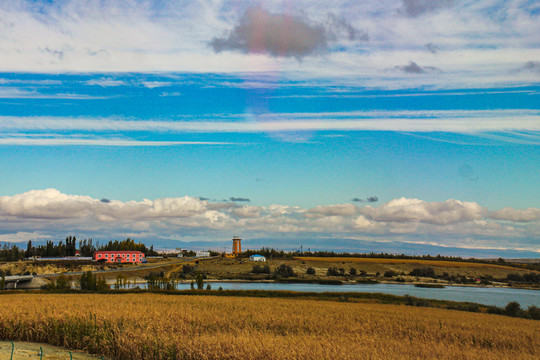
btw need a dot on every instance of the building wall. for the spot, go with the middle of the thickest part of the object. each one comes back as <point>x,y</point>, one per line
<point>119,256</point>
<point>237,245</point>
<point>257,258</point>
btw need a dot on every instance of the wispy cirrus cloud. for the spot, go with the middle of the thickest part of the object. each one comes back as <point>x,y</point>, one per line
<point>18,93</point>
<point>459,121</point>
<point>106,82</point>
<point>59,140</point>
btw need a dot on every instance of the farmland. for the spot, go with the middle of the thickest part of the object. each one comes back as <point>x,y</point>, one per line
<point>157,326</point>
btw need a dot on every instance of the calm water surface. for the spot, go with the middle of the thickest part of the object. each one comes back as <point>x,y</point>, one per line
<point>481,295</point>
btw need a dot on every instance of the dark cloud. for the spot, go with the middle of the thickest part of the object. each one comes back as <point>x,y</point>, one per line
<point>56,53</point>
<point>261,32</point>
<point>432,48</point>
<point>106,201</point>
<point>340,26</point>
<point>203,198</point>
<point>239,199</point>
<point>370,199</point>
<point>414,68</point>
<point>415,8</point>
<point>532,66</point>
<point>467,172</point>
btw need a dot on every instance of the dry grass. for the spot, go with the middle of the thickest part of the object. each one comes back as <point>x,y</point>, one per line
<point>439,263</point>
<point>153,326</point>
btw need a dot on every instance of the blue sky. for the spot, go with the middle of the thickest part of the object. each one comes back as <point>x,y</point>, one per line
<point>393,121</point>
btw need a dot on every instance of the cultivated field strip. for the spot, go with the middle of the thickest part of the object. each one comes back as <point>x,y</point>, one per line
<point>155,326</point>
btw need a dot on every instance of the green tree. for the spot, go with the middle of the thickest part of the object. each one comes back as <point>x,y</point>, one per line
<point>284,271</point>
<point>63,283</point>
<point>101,284</point>
<point>310,271</point>
<point>200,281</point>
<point>512,308</point>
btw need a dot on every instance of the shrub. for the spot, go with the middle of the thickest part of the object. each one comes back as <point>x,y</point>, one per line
<point>512,308</point>
<point>533,312</point>
<point>284,271</point>
<point>352,271</point>
<point>258,269</point>
<point>188,269</point>
<point>423,272</point>
<point>310,271</point>
<point>335,272</point>
<point>389,273</point>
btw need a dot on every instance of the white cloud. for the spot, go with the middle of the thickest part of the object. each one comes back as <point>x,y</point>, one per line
<point>516,215</point>
<point>331,210</point>
<point>48,212</point>
<point>461,121</point>
<point>21,236</point>
<point>478,43</point>
<point>17,93</point>
<point>414,210</point>
<point>106,82</point>
<point>156,84</point>
<point>57,140</point>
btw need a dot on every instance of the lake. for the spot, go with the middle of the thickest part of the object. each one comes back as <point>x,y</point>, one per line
<point>482,295</point>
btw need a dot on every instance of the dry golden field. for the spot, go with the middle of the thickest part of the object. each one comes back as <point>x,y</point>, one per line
<point>372,265</point>
<point>155,326</point>
<point>449,264</point>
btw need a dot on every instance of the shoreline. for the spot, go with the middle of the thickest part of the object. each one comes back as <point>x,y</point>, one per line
<point>187,282</point>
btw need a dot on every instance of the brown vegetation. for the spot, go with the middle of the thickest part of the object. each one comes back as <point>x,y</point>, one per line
<point>154,326</point>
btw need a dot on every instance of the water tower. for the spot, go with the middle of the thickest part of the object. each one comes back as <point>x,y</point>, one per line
<point>236,245</point>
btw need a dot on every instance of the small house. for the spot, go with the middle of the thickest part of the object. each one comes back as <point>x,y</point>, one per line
<point>257,258</point>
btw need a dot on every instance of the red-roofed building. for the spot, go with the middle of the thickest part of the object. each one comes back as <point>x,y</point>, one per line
<point>120,256</point>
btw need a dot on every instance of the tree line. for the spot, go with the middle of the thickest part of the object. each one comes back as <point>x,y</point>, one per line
<point>86,247</point>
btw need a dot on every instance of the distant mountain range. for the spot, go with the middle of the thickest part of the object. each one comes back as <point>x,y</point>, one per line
<point>334,244</point>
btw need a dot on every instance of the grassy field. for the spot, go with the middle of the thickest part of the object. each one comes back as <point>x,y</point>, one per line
<point>231,268</point>
<point>155,326</point>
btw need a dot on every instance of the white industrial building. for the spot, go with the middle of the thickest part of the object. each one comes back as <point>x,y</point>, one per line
<point>200,253</point>
<point>257,258</point>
